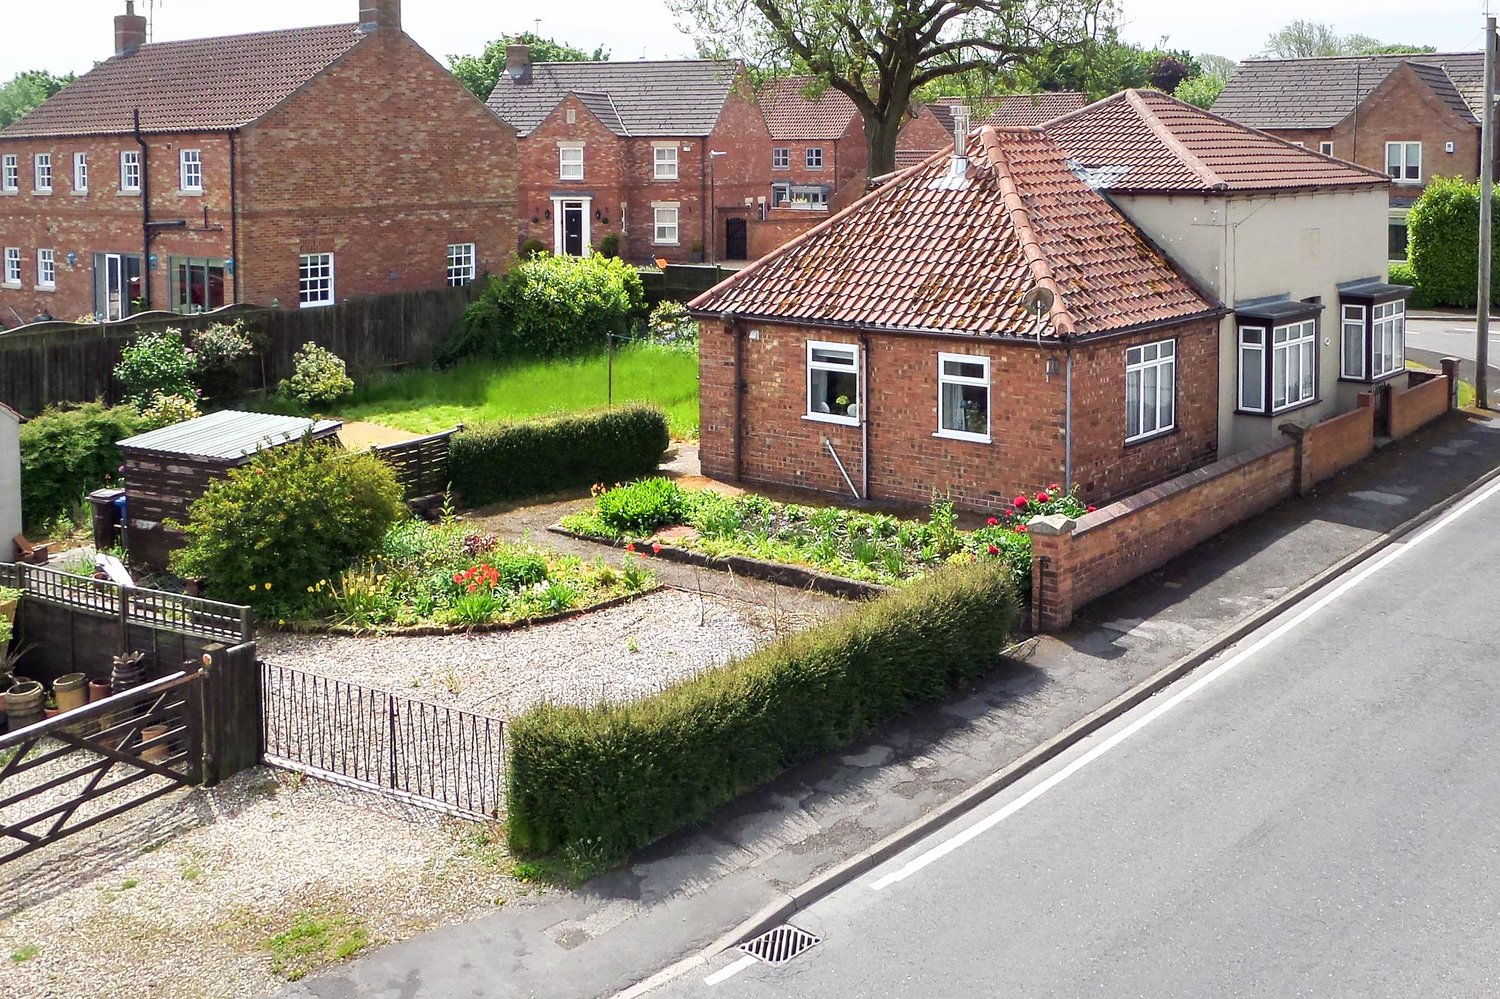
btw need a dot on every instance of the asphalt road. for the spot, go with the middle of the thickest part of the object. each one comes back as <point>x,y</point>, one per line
<point>1314,813</point>
<point>1452,337</point>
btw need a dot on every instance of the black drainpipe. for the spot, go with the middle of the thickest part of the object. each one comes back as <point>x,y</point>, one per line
<point>145,212</point>
<point>234,215</point>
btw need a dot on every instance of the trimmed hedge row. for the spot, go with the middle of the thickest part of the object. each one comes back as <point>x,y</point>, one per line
<point>498,461</point>
<point>67,452</point>
<point>614,777</point>
<point>1444,239</point>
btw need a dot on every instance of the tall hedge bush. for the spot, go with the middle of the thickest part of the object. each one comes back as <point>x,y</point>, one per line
<point>65,453</point>
<point>616,776</point>
<point>1443,234</point>
<point>497,461</point>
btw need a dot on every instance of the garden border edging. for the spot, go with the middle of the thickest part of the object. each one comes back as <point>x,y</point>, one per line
<point>435,631</point>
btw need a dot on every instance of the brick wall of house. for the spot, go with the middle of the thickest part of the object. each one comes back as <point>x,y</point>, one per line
<point>778,444</point>
<point>604,158</point>
<point>383,160</point>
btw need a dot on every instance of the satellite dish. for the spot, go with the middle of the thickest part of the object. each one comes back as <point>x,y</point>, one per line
<point>1038,301</point>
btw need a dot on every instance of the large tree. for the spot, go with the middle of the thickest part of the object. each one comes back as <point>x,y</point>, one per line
<point>1302,39</point>
<point>480,73</point>
<point>26,91</point>
<point>882,52</point>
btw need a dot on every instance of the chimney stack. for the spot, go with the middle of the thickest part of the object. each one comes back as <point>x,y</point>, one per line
<point>960,164</point>
<point>379,15</point>
<point>518,63</point>
<point>130,30</point>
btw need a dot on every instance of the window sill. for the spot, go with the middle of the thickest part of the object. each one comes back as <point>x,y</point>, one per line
<point>13,285</point>
<point>1279,412</point>
<point>665,180</point>
<point>314,305</point>
<point>42,194</point>
<point>128,194</point>
<point>78,192</point>
<point>1154,435</point>
<point>45,287</point>
<point>570,180</point>
<point>655,243</point>
<point>10,192</point>
<point>190,194</point>
<point>955,435</point>
<point>843,421</point>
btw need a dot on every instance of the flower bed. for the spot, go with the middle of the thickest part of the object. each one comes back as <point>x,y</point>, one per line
<point>869,547</point>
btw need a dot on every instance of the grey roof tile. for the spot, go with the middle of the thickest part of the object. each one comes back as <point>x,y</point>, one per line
<point>1320,93</point>
<point>674,97</point>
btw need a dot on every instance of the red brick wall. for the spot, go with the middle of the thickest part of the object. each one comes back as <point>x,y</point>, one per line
<point>383,160</point>
<point>779,227</point>
<point>924,133</point>
<point>779,445</point>
<point>604,157</point>
<point>1333,445</point>
<point>1419,405</point>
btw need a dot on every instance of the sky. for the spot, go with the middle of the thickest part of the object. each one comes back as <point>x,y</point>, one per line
<point>633,29</point>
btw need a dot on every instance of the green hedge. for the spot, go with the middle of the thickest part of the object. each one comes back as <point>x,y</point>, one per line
<point>66,453</point>
<point>1404,274</point>
<point>614,777</point>
<point>1443,229</point>
<point>497,461</point>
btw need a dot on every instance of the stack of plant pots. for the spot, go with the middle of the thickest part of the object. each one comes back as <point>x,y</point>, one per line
<point>127,672</point>
<point>23,704</point>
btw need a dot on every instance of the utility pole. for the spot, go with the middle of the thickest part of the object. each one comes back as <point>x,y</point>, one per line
<point>1486,219</point>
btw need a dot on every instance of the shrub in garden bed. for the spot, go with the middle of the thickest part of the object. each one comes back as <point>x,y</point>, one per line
<point>614,777</point>
<point>65,453</point>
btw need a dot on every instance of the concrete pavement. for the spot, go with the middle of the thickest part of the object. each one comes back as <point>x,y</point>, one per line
<point>1313,814</point>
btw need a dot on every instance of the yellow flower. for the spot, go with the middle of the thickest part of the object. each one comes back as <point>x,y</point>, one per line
<point>252,587</point>
<point>309,589</point>
<point>268,586</point>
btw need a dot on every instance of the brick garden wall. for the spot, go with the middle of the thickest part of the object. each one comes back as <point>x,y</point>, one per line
<point>780,227</point>
<point>1333,445</point>
<point>1424,401</point>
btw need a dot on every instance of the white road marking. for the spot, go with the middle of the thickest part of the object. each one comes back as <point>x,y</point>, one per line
<point>729,971</point>
<point>980,828</point>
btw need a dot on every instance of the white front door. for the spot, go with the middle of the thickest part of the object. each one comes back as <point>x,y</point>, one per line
<point>571,226</point>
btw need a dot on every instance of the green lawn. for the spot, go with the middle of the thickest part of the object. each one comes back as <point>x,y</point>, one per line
<point>428,400</point>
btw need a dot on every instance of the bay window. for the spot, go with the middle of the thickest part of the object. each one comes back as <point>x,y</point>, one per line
<point>1294,364</point>
<point>833,382</point>
<point>1372,336</point>
<point>1277,353</point>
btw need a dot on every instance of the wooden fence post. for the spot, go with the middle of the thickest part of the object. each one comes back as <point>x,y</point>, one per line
<point>233,734</point>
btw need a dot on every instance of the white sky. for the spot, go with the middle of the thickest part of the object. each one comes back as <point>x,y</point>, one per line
<point>631,29</point>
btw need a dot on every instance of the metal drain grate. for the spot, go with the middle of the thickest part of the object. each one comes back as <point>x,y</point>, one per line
<point>780,945</point>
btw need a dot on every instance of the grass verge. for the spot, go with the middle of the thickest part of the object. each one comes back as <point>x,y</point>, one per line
<point>314,940</point>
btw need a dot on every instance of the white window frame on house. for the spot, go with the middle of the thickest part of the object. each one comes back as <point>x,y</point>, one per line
<point>1152,365</point>
<point>315,288</point>
<point>666,220</point>
<point>1387,339</point>
<point>809,197</point>
<point>569,165</point>
<point>190,171</point>
<point>130,171</point>
<point>1395,217</point>
<point>1352,338</point>
<point>1326,148</point>
<point>585,205</point>
<point>1252,355</point>
<point>664,161</point>
<point>1294,351</point>
<point>10,173</point>
<point>781,158</point>
<point>46,270</point>
<point>951,375</point>
<point>462,268</point>
<point>80,173</point>
<point>11,276</point>
<point>812,158</point>
<point>830,362</point>
<point>1405,166</point>
<point>41,166</point>
<point>781,194</point>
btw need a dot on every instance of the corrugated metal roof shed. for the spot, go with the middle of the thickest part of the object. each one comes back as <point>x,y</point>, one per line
<point>228,435</point>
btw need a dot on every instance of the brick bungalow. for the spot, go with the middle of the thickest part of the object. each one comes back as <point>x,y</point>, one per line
<point>300,166</point>
<point>1413,117</point>
<point>649,151</point>
<point>891,351</point>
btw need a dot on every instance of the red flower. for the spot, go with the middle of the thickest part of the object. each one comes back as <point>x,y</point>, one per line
<point>994,550</point>
<point>1053,488</point>
<point>1020,528</point>
<point>655,549</point>
<point>993,521</point>
<point>630,547</point>
<point>1092,509</point>
<point>1043,498</point>
<point>1020,502</point>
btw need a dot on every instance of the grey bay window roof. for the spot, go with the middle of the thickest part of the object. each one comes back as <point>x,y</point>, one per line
<point>677,97</point>
<point>1320,93</point>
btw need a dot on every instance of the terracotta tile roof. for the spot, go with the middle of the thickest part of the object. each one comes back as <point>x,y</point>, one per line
<point>1320,93</point>
<point>206,84</point>
<point>930,252</point>
<point>671,97</point>
<point>1144,140</point>
<point>791,114</point>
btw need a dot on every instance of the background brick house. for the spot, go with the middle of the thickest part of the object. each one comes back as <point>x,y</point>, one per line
<point>1413,117</point>
<point>625,148</point>
<point>895,339</point>
<point>300,166</point>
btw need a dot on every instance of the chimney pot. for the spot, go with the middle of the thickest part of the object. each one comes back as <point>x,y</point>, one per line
<point>960,164</point>
<point>130,30</point>
<point>518,63</point>
<point>377,15</point>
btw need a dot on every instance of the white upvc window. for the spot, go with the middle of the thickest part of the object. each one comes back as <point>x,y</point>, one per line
<point>10,173</point>
<point>1294,364</point>
<point>1403,161</point>
<point>1252,395</point>
<point>12,273</point>
<point>130,171</point>
<point>964,397</point>
<point>1326,148</point>
<point>46,270</point>
<point>1388,339</point>
<point>80,173</point>
<point>665,230</point>
<point>833,382</point>
<point>813,158</point>
<point>813,197</point>
<point>781,158</point>
<point>1352,343</point>
<point>190,170</point>
<point>461,269</point>
<point>42,166</point>
<point>314,280</point>
<point>570,162</point>
<point>1150,390</point>
<point>664,162</point>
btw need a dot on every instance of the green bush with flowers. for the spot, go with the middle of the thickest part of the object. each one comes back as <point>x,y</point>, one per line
<point>869,547</point>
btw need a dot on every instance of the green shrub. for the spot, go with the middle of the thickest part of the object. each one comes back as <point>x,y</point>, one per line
<point>533,248</point>
<point>617,776</point>
<point>65,453</point>
<point>290,517</point>
<point>318,377</point>
<point>671,325</point>
<point>609,246</point>
<point>1403,273</point>
<point>218,350</point>
<point>549,306</point>
<point>637,509</point>
<point>1444,239</point>
<point>495,461</point>
<point>156,364</point>
<point>165,410</point>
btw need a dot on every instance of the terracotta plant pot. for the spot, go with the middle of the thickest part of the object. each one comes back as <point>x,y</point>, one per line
<point>157,753</point>
<point>51,712</point>
<point>71,691</point>
<point>98,689</point>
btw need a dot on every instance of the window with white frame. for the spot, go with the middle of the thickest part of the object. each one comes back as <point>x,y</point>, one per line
<point>1294,364</point>
<point>46,269</point>
<point>1150,390</point>
<point>664,162</point>
<point>570,162</point>
<point>460,264</point>
<point>814,157</point>
<point>1253,369</point>
<point>315,279</point>
<point>1352,343</point>
<point>12,274</point>
<point>1387,339</point>
<point>80,172</point>
<point>42,164</point>
<point>130,171</point>
<point>1403,161</point>
<point>665,229</point>
<point>10,173</point>
<point>1326,148</point>
<point>810,196</point>
<point>833,382</point>
<point>781,158</point>
<point>781,194</point>
<point>964,397</point>
<point>190,170</point>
